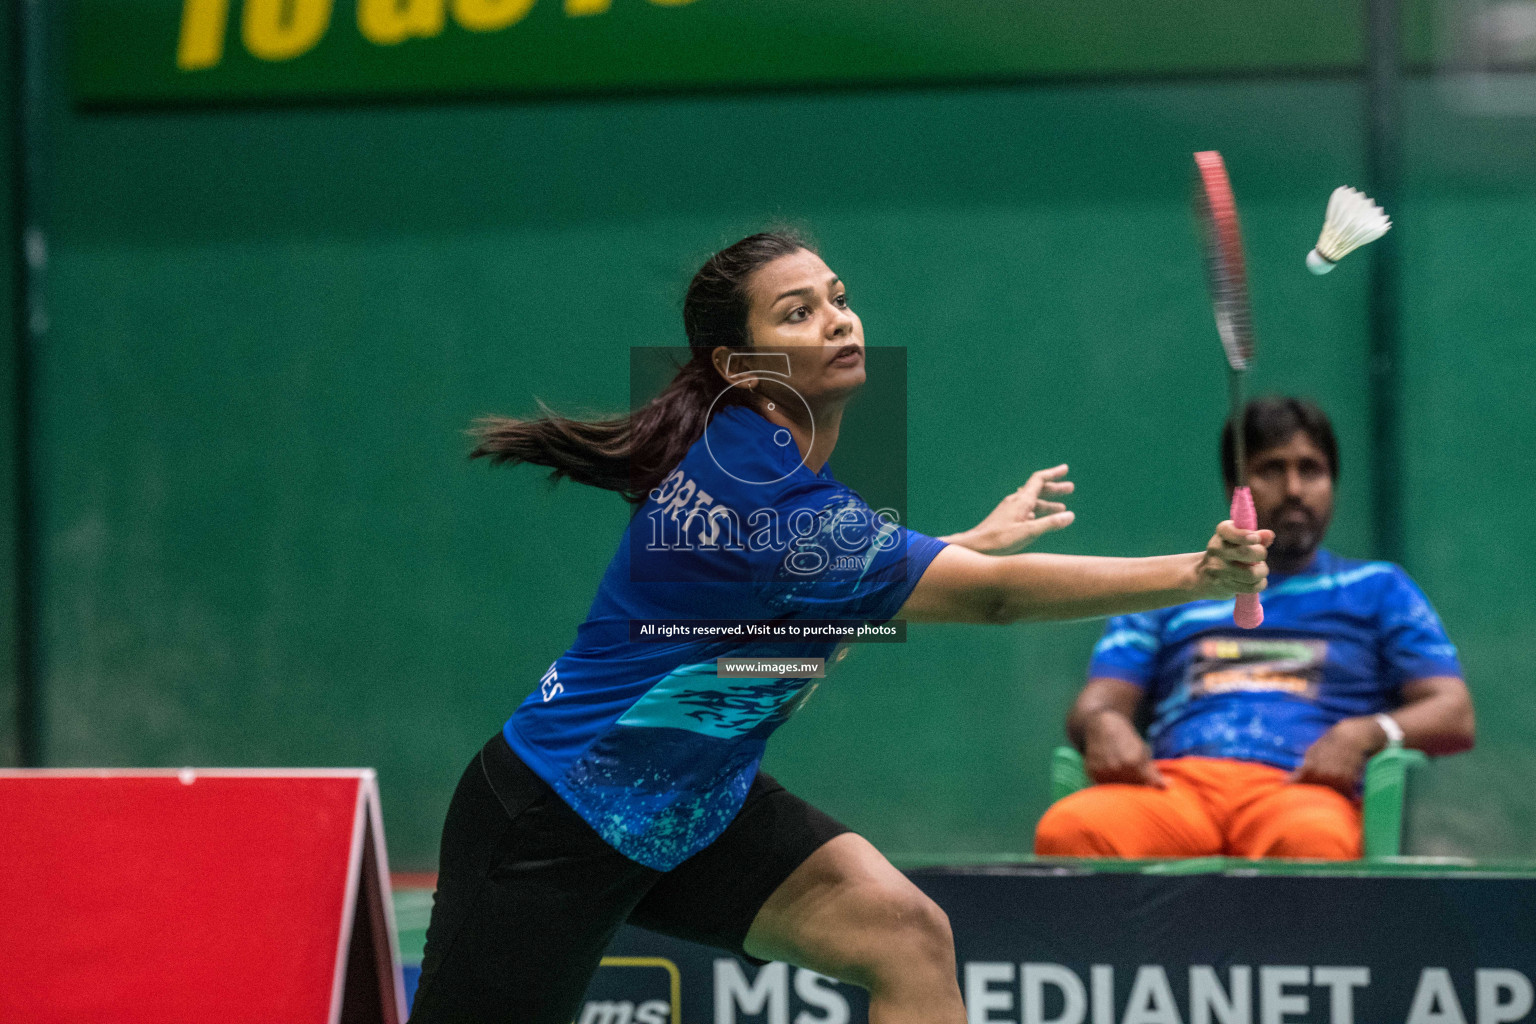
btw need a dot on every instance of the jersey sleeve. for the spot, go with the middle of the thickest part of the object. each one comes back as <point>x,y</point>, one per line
<point>1413,641</point>
<point>1127,650</point>
<point>844,560</point>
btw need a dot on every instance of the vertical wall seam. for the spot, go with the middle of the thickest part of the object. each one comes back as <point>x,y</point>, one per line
<point>1383,158</point>
<point>29,251</point>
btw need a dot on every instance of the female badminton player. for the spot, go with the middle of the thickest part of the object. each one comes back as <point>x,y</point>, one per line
<point>626,787</point>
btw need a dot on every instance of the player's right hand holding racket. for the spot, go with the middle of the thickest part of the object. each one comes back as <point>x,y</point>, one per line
<point>1234,562</point>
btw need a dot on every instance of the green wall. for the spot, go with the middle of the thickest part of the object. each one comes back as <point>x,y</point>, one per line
<point>10,663</point>
<point>260,543</point>
<point>1469,320</point>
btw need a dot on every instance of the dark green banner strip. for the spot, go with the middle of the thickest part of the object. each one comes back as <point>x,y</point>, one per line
<point>146,51</point>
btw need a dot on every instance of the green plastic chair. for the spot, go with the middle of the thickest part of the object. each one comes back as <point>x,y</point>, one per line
<point>1386,792</point>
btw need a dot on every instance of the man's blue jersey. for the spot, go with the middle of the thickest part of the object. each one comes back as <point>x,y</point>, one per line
<point>641,738</point>
<point>1339,640</point>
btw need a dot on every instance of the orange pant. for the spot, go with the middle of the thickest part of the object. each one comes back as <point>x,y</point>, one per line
<point>1211,807</point>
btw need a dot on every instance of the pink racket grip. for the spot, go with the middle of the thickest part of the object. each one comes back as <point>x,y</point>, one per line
<point>1247,613</point>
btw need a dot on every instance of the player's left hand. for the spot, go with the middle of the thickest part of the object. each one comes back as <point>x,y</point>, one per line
<point>1023,516</point>
<point>1338,757</point>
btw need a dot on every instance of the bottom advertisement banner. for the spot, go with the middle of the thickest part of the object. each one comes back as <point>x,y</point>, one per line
<point>1042,944</point>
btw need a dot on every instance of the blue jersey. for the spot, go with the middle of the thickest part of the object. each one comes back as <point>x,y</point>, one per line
<point>1338,640</point>
<point>641,738</point>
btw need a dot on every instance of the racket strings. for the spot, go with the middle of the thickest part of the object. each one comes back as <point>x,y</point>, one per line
<point>1226,272</point>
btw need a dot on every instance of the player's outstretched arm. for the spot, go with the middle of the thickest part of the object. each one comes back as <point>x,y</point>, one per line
<point>963,586</point>
<point>1022,517</point>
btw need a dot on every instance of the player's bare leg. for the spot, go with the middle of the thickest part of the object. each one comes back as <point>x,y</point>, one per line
<point>847,913</point>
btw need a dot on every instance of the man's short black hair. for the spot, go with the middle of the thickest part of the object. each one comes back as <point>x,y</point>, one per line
<point>1268,422</point>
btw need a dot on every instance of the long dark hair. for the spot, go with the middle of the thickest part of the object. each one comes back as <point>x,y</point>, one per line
<point>632,454</point>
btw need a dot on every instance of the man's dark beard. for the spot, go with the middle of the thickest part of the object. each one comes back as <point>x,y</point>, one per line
<point>1294,541</point>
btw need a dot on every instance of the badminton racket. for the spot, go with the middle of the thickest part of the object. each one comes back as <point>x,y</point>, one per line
<point>1227,276</point>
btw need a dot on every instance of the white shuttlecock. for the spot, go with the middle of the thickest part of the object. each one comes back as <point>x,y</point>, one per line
<point>1351,221</point>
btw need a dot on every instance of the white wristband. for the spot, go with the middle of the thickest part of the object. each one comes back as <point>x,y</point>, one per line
<point>1391,728</point>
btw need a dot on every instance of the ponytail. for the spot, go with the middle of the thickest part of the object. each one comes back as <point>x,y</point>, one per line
<point>629,454</point>
<point>632,454</point>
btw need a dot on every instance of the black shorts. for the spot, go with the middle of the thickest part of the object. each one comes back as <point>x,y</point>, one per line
<point>528,895</point>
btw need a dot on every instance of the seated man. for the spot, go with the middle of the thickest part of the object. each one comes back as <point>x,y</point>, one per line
<point>1259,737</point>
